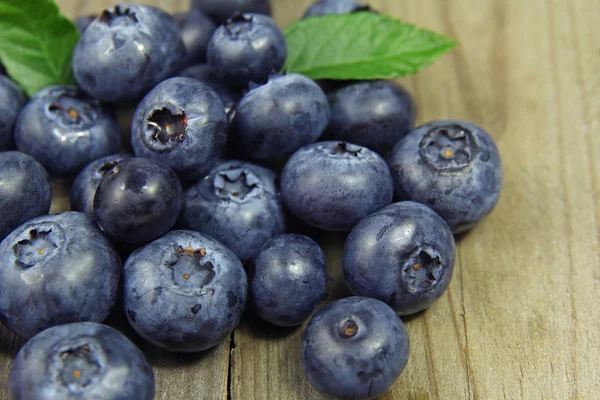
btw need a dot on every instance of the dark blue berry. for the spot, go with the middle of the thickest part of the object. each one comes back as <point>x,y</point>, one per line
<point>138,200</point>
<point>238,204</point>
<point>221,10</point>
<point>402,255</point>
<point>56,269</point>
<point>354,348</point>
<point>12,101</point>
<point>182,124</point>
<point>452,166</point>
<point>82,360</point>
<point>184,292</point>
<point>333,185</point>
<point>196,31</point>
<point>25,190</point>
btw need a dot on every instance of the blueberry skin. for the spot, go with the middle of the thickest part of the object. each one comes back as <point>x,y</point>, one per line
<point>82,360</point>
<point>25,190</point>
<point>196,30</point>
<point>288,280</point>
<point>204,73</point>
<point>374,114</point>
<point>333,185</point>
<point>182,124</point>
<point>278,118</point>
<point>138,200</point>
<point>64,129</point>
<point>221,10</point>
<point>81,23</point>
<point>184,292</point>
<point>324,7</point>
<point>12,101</point>
<point>354,348</point>
<point>126,51</point>
<point>247,48</point>
<point>56,269</point>
<point>452,166</point>
<point>239,204</point>
<point>86,183</point>
<point>402,255</point>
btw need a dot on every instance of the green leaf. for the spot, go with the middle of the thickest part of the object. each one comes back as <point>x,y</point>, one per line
<point>36,43</point>
<point>362,45</point>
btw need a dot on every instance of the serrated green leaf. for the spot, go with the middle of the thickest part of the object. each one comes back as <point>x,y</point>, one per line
<point>36,43</point>
<point>362,45</point>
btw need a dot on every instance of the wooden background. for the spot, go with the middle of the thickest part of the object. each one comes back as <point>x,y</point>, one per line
<point>521,317</point>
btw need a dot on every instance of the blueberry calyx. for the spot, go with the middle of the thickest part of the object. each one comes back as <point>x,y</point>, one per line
<point>344,148</point>
<point>238,24</point>
<point>72,107</point>
<point>348,329</point>
<point>106,168</point>
<point>165,129</point>
<point>30,252</point>
<point>422,271</point>
<point>448,148</point>
<point>190,273</point>
<point>79,367</point>
<point>235,184</point>
<point>108,16</point>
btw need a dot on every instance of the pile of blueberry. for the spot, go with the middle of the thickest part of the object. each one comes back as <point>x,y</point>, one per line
<point>193,228</point>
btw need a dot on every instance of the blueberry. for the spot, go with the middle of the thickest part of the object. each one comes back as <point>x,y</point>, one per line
<point>402,255</point>
<point>288,280</point>
<point>25,190</point>
<point>333,185</point>
<point>276,119</point>
<point>56,269</point>
<point>82,360</point>
<point>453,167</point>
<point>238,204</point>
<point>126,51</point>
<point>83,22</point>
<point>181,123</point>
<point>228,94</point>
<point>324,7</point>
<point>86,183</point>
<point>374,114</point>
<point>221,10</point>
<point>65,130</point>
<point>354,348</point>
<point>196,30</point>
<point>247,49</point>
<point>138,200</point>
<point>12,101</point>
<point>184,292</point>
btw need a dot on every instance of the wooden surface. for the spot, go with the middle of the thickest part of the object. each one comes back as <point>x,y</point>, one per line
<point>520,320</point>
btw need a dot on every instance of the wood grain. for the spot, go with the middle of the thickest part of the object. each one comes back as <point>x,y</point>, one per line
<point>520,319</point>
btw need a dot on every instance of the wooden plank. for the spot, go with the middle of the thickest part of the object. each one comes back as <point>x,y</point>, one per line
<point>520,318</point>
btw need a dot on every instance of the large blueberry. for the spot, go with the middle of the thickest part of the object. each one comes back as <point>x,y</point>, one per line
<point>56,269</point>
<point>374,114</point>
<point>184,292</point>
<point>238,204</point>
<point>354,348</point>
<point>288,280</point>
<point>65,130</point>
<point>126,51</point>
<point>247,48</point>
<point>25,190</point>
<point>402,255</point>
<point>333,185</point>
<point>276,119</point>
<point>182,124</point>
<point>82,360</point>
<point>86,183</point>
<point>138,200</point>
<point>228,94</point>
<point>196,30</point>
<point>324,7</point>
<point>220,10</point>
<point>12,101</point>
<point>453,167</point>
